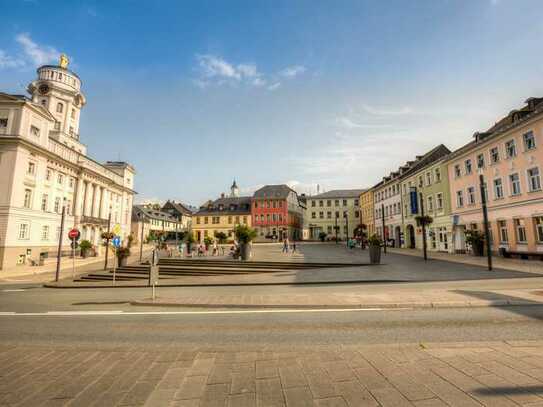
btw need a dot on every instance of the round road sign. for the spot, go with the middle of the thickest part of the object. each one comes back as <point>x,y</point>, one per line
<point>74,234</point>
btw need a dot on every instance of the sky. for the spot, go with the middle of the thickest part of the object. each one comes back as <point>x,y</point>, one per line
<point>338,94</point>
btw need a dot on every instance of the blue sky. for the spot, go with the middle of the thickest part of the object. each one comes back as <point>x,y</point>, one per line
<point>194,94</point>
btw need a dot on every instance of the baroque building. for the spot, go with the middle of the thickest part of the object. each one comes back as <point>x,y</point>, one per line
<point>45,169</point>
<point>334,213</point>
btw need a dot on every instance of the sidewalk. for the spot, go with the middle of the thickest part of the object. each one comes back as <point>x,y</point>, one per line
<point>528,266</point>
<point>469,374</point>
<point>44,273</point>
<point>380,297</point>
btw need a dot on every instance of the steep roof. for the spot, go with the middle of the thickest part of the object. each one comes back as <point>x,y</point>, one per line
<point>150,213</point>
<point>273,191</point>
<point>226,205</point>
<point>178,207</point>
<point>340,193</point>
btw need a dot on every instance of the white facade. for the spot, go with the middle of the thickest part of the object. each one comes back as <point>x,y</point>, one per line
<point>44,167</point>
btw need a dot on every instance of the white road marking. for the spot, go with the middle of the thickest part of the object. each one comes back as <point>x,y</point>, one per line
<point>260,311</point>
<point>14,290</point>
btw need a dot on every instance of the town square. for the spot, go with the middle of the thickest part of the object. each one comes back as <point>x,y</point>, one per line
<point>265,203</point>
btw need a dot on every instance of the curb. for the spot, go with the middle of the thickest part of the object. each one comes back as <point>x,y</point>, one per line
<point>55,285</point>
<point>429,305</point>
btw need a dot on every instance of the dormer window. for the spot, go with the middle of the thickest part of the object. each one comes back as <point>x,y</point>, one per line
<point>60,107</point>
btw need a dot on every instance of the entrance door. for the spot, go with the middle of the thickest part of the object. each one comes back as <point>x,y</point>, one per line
<point>411,236</point>
<point>397,235</point>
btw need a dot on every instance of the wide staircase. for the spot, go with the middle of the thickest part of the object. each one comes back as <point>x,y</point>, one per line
<point>170,268</point>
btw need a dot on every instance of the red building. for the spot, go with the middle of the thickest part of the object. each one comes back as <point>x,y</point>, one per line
<point>277,213</point>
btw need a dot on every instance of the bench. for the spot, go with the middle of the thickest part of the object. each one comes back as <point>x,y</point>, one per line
<point>522,255</point>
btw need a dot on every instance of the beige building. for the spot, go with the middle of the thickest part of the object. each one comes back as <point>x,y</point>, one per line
<point>151,222</point>
<point>45,168</point>
<point>338,208</point>
<point>222,215</point>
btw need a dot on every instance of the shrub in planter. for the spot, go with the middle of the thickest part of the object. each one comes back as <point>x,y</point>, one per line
<point>189,240</point>
<point>208,241</point>
<point>423,220</point>
<point>221,237</point>
<point>244,235</point>
<point>122,255</point>
<point>85,247</point>
<point>477,241</point>
<point>375,243</point>
<point>322,236</point>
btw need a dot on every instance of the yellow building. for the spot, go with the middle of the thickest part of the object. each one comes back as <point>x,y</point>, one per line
<point>367,211</point>
<point>221,215</point>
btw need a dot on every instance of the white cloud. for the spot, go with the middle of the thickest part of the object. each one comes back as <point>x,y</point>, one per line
<point>274,86</point>
<point>214,70</point>
<point>7,61</point>
<point>292,71</point>
<point>348,123</point>
<point>386,112</point>
<point>38,54</point>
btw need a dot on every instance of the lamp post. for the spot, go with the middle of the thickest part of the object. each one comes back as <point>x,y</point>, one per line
<point>107,240</point>
<point>423,223</point>
<point>59,252</point>
<point>346,227</point>
<point>485,221</point>
<point>335,227</point>
<point>142,216</point>
<point>384,233</point>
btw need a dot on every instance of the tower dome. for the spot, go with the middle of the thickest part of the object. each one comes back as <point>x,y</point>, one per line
<point>234,190</point>
<point>58,89</point>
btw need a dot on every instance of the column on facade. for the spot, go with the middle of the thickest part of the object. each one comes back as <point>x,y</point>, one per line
<point>86,198</point>
<point>94,189</point>
<point>103,203</point>
<point>78,202</point>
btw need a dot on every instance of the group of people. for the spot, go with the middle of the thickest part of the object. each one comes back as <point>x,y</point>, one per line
<point>287,246</point>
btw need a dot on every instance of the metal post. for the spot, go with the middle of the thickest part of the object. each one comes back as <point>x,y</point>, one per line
<point>59,252</point>
<point>423,227</point>
<point>73,259</point>
<point>485,221</point>
<point>114,264</point>
<point>347,225</point>
<point>384,233</point>
<point>107,240</point>
<point>141,238</point>
<point>335,228</point>
<point>176,239</point>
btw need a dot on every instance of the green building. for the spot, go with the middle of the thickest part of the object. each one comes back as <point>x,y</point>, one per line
<point>432,181</point>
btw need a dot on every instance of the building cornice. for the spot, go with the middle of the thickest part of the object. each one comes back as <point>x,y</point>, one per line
<point>17,140</point>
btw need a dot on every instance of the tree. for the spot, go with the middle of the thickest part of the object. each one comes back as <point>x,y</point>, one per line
<point>221,237</point>
<point>244,234</point>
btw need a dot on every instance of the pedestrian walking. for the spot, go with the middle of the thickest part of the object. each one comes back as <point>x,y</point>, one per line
<point>285,245</point>
<point>215,248</point>
<point>294,247</point>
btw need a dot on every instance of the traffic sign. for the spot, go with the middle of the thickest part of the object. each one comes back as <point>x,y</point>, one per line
<point>74,234</point>
<point>116,241</point>
<point>116,229</point>
<point>74,245</point>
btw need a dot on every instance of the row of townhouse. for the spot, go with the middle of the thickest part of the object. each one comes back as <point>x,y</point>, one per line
<point>152,220</point>
<point>508,156</point>
<point>274,211</point>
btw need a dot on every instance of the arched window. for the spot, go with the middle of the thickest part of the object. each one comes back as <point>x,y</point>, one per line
<point>60,107</point>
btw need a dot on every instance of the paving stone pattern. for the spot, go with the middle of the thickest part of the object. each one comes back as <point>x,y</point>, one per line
<point>421,375</point>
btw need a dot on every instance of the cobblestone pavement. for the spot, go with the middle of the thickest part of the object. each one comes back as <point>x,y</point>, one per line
<point>421,375</point>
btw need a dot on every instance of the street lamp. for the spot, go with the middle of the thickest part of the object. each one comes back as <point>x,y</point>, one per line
<point>485,221</point>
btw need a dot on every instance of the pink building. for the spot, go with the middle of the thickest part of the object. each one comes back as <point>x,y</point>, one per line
<point>509,156</point>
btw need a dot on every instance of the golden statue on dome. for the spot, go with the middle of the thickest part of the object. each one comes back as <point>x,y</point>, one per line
<point>64,61</point>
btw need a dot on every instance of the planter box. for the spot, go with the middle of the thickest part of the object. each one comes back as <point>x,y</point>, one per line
<point>245,251</point>
<point>375,254</point>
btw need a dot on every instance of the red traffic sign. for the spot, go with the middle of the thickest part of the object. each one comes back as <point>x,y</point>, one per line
<point>74,234</point>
